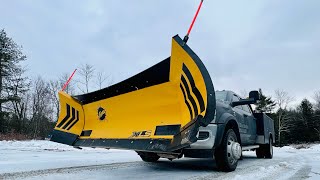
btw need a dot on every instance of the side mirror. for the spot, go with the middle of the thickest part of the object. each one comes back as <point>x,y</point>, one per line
<point>254,95</point>
<point>243,102</point>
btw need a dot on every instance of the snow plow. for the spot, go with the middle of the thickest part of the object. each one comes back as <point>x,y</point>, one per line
<point>168,111</point>
<point>158,110</point>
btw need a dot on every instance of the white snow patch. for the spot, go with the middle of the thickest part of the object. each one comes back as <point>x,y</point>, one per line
<point>25,156</point>
<point>17,156</point>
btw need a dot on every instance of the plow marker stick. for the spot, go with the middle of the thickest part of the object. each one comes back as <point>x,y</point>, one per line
<point>185,39</point>
<point>68,81</point>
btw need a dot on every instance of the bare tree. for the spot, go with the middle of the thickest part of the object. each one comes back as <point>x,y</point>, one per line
<point>103,80</point>
<point>283,99</point>
<point>316,97</point>
<point>17,86</point>
<point>62,80</point>
<point>54,88</point>
<point>41,109</point>
<point>244,93</point>
<point>86,72</point>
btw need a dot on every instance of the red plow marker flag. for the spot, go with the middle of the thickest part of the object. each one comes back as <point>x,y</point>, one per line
<point>185,39</point>
<point>68,81</point>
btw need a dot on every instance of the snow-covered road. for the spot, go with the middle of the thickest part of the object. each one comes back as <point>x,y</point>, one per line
<point>48,160</point>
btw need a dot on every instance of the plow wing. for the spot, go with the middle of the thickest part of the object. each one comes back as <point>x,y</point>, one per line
<point>157,110</point>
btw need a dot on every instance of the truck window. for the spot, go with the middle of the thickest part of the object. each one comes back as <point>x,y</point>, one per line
<point>221,95</point>
<point>234,99</point>
<point>246,108</point>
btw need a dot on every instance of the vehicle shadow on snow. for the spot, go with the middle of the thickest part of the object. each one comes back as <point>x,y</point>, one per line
<point>185,164</point>
<point>192,164</point>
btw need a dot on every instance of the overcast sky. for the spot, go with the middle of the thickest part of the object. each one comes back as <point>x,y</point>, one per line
<point>246,44</point>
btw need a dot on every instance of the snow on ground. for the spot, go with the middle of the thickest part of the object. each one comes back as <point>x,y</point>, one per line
<point>49,160</point>
<point>17,156</point>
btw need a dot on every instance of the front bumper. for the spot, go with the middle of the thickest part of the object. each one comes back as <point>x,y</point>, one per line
<point>208,141</point>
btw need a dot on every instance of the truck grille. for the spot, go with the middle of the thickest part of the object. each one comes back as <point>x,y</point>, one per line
<point>203,135</point>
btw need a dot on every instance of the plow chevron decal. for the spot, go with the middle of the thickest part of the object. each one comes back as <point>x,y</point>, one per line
<point>187,90</point>
<point>70,119</point>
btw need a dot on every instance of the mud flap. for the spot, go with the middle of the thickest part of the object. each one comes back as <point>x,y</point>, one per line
<point>159,109</point>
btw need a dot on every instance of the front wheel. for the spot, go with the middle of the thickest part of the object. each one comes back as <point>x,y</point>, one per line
<point>228,154</point>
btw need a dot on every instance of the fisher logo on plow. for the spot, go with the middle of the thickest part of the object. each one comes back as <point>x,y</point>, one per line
<point>101,113</point>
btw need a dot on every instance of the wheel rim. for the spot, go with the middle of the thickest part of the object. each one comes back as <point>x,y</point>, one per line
<point>231,159</point>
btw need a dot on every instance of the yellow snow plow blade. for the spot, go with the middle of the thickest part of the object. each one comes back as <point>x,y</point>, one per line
<point>159,109</point>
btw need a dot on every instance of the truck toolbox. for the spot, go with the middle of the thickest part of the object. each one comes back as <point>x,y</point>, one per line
<point>265,128</point>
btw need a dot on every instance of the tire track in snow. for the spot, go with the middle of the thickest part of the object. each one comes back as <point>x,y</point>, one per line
<point>74,169</point>
<point>302,173</point>
<point>280,168</point>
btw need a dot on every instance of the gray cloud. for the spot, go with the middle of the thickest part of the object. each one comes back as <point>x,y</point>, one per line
<point>245,44</point>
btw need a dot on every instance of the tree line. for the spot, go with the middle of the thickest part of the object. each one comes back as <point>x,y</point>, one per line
<point>29,107</point>
<point>300,124</point>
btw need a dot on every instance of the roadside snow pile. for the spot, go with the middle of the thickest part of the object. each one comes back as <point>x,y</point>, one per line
<point>45,145</point>
<point>18,156</point>
<point>35,144</point>
<point>304,145</point>
<point>315,147</point>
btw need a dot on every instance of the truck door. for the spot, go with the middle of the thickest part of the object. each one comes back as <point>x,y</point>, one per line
<point>250,123</point>
<point>239,115</point>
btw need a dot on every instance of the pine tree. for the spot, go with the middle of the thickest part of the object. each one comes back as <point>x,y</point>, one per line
<point>266,104</point>
<point>10,73</point>
<point>307,117</point>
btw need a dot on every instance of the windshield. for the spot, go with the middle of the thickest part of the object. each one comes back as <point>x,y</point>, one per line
<point>221,95</point>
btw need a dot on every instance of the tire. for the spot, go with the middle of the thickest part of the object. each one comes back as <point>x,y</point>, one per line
<point>148,156</point>
<point>259,153</point>
<point>268,149</point>
<point>225,162</point>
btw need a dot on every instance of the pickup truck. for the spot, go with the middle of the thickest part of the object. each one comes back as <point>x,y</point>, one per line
<point>235,128</point>
<point>169,110</point>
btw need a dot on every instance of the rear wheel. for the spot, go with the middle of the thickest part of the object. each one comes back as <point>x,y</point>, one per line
<point>148,156</point>
<point>228,154</point>
<point>268,148</point>
<point>259,153</point>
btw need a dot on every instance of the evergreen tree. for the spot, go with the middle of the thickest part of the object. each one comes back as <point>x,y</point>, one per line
<point>266,104</point>
<point>296,134</point>
<point>308,119</point>
<point>10,73</point>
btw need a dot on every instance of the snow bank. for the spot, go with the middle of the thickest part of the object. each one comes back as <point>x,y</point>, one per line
<point>24,156</point>
<point>17,156</point>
